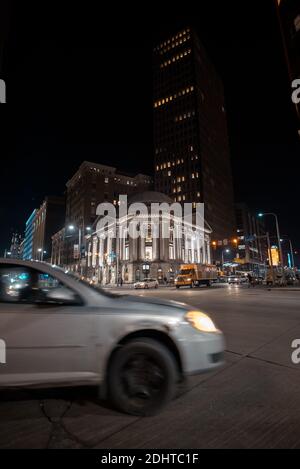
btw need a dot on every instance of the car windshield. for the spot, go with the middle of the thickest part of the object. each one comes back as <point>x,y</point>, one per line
<point>186,272</point>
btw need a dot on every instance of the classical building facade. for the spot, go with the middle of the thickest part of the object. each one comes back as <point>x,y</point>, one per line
<point>109,259</point>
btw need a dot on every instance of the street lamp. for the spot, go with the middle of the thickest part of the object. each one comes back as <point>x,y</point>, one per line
<point>291,250</point>
<point>227,251</point>
<point>72,228</point>
<point>261,215</point>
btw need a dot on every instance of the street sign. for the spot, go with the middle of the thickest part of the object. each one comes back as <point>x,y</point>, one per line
<point>76,251</point>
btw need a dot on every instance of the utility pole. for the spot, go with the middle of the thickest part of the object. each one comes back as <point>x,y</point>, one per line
<point>270,258</point>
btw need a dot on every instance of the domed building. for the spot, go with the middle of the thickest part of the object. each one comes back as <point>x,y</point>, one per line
<point>153,255</point>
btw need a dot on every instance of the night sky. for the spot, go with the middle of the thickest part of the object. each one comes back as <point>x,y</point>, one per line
<point>79,87</point>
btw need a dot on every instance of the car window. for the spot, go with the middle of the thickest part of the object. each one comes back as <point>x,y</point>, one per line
<point>25,285</point>
<point>13,280</point>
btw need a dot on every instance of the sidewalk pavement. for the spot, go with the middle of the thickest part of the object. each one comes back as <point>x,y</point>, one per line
<point>130,286</point>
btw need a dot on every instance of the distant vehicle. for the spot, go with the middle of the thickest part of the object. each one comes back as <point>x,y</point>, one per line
<point>290,278</point>
<point>258,280</point>
<point>62,331</point>
<point>147,283</point>
<point>237,279</point>
<point>194,275</point>
<point>277,278</point>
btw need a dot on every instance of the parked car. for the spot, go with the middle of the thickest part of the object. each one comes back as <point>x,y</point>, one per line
<point>61,331</point>
<point>147,283</point>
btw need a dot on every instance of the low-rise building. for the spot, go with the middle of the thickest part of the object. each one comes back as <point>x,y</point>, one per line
<point>251,252</point>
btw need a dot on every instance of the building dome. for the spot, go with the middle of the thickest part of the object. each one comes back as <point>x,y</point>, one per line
<point>149,197</point>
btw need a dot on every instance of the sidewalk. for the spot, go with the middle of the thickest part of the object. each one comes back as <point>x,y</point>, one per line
<point>130,287</point>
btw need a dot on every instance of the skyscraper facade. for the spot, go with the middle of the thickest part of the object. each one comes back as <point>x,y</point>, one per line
<point>28,240</point>
<point>192,158</point>
<point>48,219</point>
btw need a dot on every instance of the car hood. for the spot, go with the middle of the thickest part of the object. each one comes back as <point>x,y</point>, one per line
<point>150,302</point>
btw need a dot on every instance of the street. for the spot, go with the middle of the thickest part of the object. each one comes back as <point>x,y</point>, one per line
<point>252,402</point>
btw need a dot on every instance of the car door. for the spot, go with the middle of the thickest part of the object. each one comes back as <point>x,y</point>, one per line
<point>46,342</point>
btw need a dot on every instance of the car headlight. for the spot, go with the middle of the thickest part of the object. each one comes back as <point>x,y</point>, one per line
<point>200,321</point>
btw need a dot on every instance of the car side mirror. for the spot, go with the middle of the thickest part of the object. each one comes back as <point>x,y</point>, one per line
<point>62,295</point>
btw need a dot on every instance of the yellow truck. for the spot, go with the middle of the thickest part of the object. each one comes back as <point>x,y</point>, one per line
<point>195,275</point>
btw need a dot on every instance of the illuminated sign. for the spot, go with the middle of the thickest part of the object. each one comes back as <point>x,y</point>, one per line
<point>274,255</point>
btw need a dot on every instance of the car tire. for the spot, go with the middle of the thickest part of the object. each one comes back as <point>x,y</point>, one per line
<point>141,404</point>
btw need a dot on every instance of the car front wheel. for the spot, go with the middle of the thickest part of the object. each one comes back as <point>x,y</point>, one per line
<point>142,377</point>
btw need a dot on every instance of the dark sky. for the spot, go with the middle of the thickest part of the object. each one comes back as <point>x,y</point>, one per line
<point>79,87</point>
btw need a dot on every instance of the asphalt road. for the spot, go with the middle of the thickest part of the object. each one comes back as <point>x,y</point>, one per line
<point>252,402</point>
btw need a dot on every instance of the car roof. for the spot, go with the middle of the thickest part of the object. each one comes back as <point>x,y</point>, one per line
<point>29,264</point>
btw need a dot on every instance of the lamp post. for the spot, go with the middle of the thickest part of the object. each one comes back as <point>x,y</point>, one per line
<point>227,251</point>
<point>277,231</point>
<point>40,251</point>
<point>72,228</point>
<point>291,250</point>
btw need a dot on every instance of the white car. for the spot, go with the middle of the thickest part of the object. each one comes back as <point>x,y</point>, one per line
<point>147,283</point>
<point>56,330</point>
<point>236,279</point>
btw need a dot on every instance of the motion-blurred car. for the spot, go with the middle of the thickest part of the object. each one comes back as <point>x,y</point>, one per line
<point>61,331</point>
<point>147,283</point>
